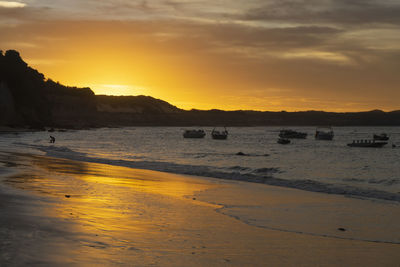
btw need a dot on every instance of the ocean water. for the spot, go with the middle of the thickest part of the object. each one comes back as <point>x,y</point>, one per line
<point>314,165</point>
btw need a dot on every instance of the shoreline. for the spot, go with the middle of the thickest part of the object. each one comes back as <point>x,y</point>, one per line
<point>204,171</point>
<point>90,213</point>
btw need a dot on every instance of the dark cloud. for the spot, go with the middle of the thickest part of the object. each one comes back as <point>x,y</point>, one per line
<point>270,38</point>
<point>24,15</point>
<point>340,12</point>
<point>124,8</point>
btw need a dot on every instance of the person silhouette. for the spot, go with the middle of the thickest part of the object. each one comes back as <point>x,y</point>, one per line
<point>52,139</point>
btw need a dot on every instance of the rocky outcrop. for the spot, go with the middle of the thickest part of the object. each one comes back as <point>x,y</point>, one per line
<point>29,100</point>
<point>7,110</point>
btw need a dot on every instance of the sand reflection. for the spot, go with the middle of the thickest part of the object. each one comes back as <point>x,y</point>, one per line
<point>107,208</point>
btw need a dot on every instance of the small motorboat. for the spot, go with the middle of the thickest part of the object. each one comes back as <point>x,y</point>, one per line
<point>381,137</point>
<point>194,134</point>
<point>292,134</point>
<point>324,133</point>
<point>366,143</point>
<point>283,141</point>
<point>219,135</point>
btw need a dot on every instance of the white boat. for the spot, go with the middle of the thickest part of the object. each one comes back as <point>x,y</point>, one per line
<point>381,137</point>
<point>324,133</point>
<point>220,135</point>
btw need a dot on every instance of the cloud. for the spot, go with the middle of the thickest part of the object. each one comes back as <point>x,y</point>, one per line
<point>7,4</point>
<point>28,14</point>
<point>338,12</point>
<point>319,55</point>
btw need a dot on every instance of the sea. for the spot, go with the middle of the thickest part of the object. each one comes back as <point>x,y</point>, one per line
<point>249,154</point>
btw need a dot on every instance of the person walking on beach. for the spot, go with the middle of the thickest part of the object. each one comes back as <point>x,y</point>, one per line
<point>52,139</point>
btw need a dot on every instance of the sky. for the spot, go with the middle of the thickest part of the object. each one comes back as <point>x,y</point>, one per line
<point>293,55</point>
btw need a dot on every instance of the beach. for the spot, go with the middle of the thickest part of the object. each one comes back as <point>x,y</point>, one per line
<point>59,212</point>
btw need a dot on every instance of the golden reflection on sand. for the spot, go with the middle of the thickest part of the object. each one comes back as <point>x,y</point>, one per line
<point>111,203</point>
<point>137,179</point>
<point>108,211</point>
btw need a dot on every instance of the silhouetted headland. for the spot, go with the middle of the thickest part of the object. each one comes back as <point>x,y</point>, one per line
<point>29,100</point>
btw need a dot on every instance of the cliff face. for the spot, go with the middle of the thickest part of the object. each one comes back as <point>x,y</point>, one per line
<point>71,107</point>
<point>26,86</point>
<point>29,100</point>
<point>7,109</point>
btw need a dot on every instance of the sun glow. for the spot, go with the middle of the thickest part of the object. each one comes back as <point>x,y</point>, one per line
<point>117,89</point>
<point>206,70</point>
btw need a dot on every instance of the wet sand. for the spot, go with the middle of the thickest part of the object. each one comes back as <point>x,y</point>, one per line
<point>57,212</point>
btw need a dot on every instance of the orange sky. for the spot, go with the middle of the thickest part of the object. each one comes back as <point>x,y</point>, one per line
<point>263,55</point>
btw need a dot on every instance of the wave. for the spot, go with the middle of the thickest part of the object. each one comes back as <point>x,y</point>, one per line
<point>240,153</point>
<point>239,168</point>
<point>266,170</point>
<point>261,175</point>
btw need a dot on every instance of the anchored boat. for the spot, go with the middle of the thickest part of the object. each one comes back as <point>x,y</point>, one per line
<point>381,137</point>
<point>220,135</point>
<point>194,134</point>
<point>324,133</point>
<point>366,143</point>
<point>292,134</point>
<point>283,141</point>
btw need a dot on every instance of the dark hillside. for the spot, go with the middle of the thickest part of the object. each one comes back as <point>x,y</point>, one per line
<point>134,104</point>
<point>32,101</point>
<point>27,99</point>
<point>26,86</point>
